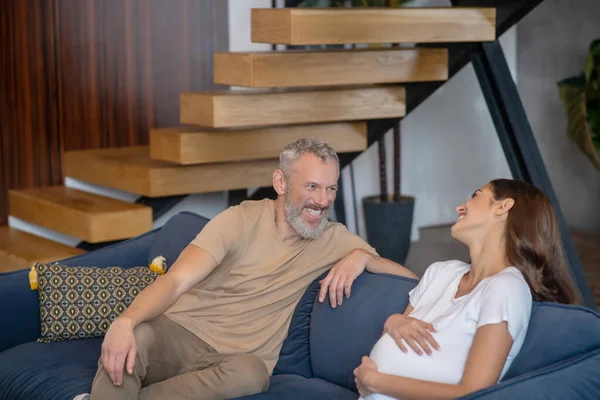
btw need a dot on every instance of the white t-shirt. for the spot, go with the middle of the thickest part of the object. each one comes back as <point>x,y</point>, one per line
<point>501,297</point>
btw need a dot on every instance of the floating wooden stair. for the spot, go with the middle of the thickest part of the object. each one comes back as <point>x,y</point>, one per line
<point>189,145</point>
<point>83,215</point>
<point>229,109</point>
<point>303,26</point>
<point>18,250</point>
<point>131,169</point>
<point>326,68</point>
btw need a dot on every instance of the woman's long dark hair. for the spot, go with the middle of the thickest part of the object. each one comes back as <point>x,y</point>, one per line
<point>533,242</point>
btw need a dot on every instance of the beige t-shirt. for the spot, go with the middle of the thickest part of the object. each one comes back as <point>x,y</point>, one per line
<point>246,304</point>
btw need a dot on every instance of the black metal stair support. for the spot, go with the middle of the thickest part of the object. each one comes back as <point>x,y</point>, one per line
<point>519,144</point>
<point>508,13</point>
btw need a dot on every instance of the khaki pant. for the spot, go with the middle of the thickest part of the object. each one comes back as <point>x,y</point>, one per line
<point>173,363</point>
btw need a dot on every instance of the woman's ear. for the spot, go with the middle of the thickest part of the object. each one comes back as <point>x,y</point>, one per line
<point>279,183</point>
<point>504,206</point>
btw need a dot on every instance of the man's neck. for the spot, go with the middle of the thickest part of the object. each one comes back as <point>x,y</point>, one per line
<point>284,229</point>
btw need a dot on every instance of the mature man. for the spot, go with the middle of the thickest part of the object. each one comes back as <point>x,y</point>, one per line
<point>213,326</point>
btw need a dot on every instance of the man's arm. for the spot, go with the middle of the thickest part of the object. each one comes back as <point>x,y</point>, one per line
<point>339,279</point>
<point>191,267</point>
<point>119,348</point>
<point>380,265</point>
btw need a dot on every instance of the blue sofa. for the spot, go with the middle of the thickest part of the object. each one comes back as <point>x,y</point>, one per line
<point>559,360</point>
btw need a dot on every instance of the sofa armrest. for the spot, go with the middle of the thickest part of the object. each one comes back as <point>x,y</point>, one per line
<point>575,378</point>
<point>20,311</point>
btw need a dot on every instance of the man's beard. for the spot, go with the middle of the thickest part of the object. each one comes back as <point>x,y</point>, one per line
<point>293,214</point>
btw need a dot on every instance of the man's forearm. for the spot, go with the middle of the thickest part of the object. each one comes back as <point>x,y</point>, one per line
<point>152,301</point>
<point>380,265</point>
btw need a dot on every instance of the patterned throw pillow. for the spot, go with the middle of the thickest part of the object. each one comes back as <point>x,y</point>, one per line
<point>82,302</point>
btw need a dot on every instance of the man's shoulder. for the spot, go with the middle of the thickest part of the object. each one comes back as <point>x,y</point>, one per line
<point>255,213</point>
<point>336,228</point>
<point>338,233</point>
<point>254,206</point>
<point>248,208</point>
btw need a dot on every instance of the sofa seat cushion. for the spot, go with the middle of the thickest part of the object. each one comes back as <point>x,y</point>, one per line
<point>295,387</point>
<point>49,371</point>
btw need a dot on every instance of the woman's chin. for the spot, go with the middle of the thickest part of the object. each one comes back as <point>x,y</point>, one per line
<point>456,230</point>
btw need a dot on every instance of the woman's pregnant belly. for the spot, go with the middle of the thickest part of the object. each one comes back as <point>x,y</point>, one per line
<point>445,365</point>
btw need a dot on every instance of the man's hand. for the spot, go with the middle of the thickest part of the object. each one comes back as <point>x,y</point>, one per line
<point>119,348</point>
<point>340,277</point>
<point>364,375</point>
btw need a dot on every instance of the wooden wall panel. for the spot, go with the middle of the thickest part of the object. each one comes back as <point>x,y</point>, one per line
<point>80,74</point>
<point>30,141</point>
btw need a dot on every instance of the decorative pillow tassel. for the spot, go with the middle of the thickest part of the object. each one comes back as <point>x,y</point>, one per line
<point>159,265</point>
<point>33,278</point>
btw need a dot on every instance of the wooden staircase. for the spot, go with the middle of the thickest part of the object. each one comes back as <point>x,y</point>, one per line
<point>300,68</point>
<point>231,139</point>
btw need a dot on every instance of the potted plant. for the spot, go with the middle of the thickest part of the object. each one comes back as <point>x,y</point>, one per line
<point>388,218</point>
<point>580,95</point>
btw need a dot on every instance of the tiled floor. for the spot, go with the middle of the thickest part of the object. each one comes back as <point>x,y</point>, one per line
<point>436,244</point>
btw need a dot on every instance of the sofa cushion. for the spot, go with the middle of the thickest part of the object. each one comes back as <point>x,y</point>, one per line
<point>24,313</point>
<point>340,337</point>
<point>556,332</point>
<point>175,235</point>
<point>82,302</point>
<point>48,371</point>
<point>294,357</point>
<point>294,387</point>
<point>576,378</point>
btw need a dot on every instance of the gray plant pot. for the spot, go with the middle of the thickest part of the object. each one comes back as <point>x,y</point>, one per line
<point>389,226</point>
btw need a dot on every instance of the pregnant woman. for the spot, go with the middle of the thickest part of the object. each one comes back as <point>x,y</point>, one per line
<point>465,323</point>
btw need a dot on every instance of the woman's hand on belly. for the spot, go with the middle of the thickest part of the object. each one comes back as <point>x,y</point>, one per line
<point>363,376</point>
<point>411,331</point>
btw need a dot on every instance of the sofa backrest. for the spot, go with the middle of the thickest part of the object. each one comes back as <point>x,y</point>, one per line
<point>340,337</point>
<point>175,235</point>
<point>556,332</point>
<point>294,357</point>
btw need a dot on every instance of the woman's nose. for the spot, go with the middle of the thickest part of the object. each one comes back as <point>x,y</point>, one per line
<point>460,208</point>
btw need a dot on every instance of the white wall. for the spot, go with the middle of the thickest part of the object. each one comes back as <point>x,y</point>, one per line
<point>553,41</point>
<point>239,25</point>
<point>449,149</point>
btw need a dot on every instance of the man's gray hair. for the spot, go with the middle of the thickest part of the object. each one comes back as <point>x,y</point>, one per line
<point>293,151</point>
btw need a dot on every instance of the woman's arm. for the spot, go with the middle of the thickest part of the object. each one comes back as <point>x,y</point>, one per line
<point>486,359</point>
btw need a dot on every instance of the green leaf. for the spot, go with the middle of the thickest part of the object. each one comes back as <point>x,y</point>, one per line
<point>578,129</point>
<point>577,81</point>
<point>592,62</point>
